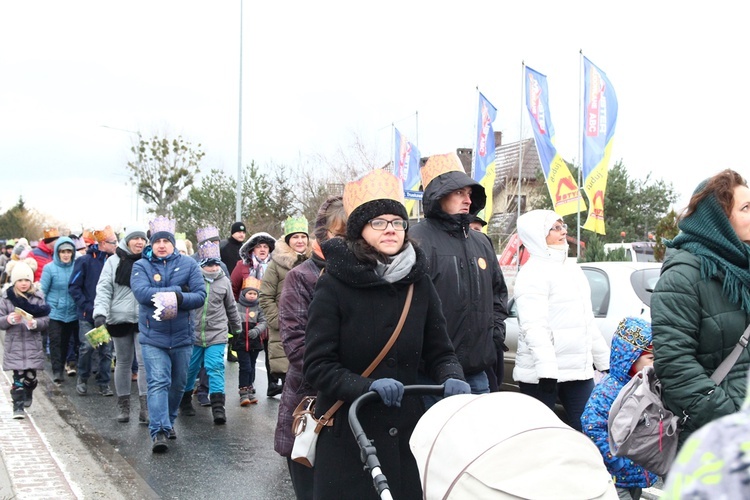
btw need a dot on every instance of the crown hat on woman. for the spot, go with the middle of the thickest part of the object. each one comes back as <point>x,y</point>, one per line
<point>162,227</point>
<point>294,225</point>
<point>377,193</point>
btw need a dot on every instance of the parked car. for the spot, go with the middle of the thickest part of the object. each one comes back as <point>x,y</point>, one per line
<point>618,289</point>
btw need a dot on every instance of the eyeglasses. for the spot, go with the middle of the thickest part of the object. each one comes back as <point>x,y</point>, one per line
<point>381,224</point>
<point>559,227</point>
<point>111,242</point>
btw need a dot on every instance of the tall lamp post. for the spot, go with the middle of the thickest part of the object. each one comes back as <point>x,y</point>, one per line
<point>238,195</point>
<point>137,179</point>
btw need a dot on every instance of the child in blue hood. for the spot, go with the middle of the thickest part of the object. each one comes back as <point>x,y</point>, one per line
<point>631,352</point>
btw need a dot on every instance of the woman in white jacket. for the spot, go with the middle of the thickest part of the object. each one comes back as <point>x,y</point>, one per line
<point>558,342</point>
<point>115,306</point>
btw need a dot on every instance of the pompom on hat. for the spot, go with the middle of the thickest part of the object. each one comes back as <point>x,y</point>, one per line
<point>209,253</point>
<point>207,233</point>
<point>162,227</point>
<point>377,193</point>
<point>294,225</point>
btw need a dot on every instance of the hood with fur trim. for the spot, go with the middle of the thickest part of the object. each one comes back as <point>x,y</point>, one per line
<point>246,250</point>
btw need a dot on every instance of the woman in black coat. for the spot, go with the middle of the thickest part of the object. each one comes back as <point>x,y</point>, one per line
<point>356,306</point>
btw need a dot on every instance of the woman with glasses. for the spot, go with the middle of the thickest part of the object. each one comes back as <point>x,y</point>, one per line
<point>558,343</point>
<point>357,304</point>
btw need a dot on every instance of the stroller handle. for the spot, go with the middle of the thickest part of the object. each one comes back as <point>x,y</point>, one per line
<point>367,452</point>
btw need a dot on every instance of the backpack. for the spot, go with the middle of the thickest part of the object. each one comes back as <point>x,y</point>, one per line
<point>640,427</point>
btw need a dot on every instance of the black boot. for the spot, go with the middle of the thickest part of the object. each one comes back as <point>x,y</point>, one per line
<point>123,404</point>
<point>217,408</point>
<point>186,405</point>
<point>28,387</point>
<point>18,395</point>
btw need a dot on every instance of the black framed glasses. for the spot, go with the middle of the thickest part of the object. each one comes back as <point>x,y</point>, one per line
<point>381,224</point>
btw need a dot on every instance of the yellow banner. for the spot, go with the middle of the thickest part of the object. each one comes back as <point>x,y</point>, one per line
<point>563,189</point>
<point>595,185</point>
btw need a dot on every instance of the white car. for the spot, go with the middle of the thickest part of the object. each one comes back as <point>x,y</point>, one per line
<point>618,289</point>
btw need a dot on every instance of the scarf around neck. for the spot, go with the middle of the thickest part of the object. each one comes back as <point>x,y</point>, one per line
<point>399,266</point>
<point>35,310</point>
<point>260,266</point>
<point>125,266</point>
<point>707,234</point>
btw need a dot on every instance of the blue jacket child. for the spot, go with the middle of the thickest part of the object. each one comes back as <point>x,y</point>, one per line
<point>631,340</point>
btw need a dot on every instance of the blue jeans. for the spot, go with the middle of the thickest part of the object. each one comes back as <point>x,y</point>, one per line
<point>213,359</point>
<point>166,375</point>
<point>85,352</point>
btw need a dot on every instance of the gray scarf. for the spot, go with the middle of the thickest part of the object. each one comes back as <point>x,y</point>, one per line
<point>399,266</point>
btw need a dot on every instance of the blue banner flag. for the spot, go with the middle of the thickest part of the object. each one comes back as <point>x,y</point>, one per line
<point>484,153</point>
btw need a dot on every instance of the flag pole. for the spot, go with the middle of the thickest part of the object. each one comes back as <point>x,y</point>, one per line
<point>580,152</point>
<point>520,159</point>
<point>474,148</point>
<point>419,160</point>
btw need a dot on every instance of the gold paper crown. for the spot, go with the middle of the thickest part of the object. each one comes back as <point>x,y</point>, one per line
<point>377,185</point>
<point>161,224</point>
<point>251,282</point>
<point>439,164</point>
<point>101,235</point>
<point>51,233</point>
<point>88,237</point>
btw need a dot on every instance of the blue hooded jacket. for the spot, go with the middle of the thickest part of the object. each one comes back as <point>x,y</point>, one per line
<point>632,337</point>
<point>173,273</point>
<point>54,284</point>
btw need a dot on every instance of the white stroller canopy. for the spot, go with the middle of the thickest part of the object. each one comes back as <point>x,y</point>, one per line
<point>505,445</point>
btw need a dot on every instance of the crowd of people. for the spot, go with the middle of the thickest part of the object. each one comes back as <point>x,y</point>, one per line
<point>321,305</point>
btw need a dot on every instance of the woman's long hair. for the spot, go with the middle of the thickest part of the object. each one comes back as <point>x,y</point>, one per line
<point>720,185</point>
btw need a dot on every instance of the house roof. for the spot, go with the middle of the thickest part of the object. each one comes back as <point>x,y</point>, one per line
<point>506,161</point>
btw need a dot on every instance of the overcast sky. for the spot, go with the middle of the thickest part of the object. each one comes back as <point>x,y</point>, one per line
<point>318,74</point>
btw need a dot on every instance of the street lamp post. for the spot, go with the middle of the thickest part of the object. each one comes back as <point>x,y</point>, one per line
<point>137,178</point>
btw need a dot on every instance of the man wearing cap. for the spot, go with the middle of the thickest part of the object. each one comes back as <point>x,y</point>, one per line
<point>82,287</point>
<point>463,267</point>
<point>44,251</point>
<point>230,248</point>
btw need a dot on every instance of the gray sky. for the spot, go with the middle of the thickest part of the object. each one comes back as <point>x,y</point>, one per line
<point>317,74</point>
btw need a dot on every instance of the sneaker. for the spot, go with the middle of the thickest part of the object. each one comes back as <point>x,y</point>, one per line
<point>160,443</point>
<point>19,414</point>
<point>203,399</point>
<point>104,390</point>
<point>81,387</point>
<point>70,370</point>
<point>252,389</point>
<point>172,434</point>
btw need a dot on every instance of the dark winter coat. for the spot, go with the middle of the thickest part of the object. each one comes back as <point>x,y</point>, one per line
<point>54,285</point>
<point>283,259</point>
<point>352,315</point>
<point>464,269</point>
<point>23,347</point>
<point>695,327</point>
<point>596,416</point>
<point>293,306</point>
<point>230,253</point>
<point>82,286</point>
<point>251,318</point>
<point>246,265</point>
<point>174,272</point>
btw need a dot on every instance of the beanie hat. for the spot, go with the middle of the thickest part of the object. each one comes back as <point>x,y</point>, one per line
<point>21,271</point>
<point>294,225</point>
<point>162,227</point>
<point>237,226</point>
<point>135,231</point>
<point>377,193</point>
<point>323,219</point>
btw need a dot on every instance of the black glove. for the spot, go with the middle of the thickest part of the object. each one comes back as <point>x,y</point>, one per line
<point>179,298</point>
<point>99,321</point>
<point>185,288</point>
<point>548,384</point>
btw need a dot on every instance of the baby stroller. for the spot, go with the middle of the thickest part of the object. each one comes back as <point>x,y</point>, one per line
<point>498,445</point>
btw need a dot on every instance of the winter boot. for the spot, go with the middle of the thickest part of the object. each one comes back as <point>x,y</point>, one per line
<point>143,413</point>
<point>28,387</point>
<point>217,408</point>
<point>246,397</point>
<point>18,395</point>
<point>186,405</point>
<point>123,404</point>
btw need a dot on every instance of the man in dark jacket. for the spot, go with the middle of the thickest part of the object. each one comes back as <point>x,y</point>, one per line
<point>463,266</point>
<point>82,287</point>
<point>230,248</point>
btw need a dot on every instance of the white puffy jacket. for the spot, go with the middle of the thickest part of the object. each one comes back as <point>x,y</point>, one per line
<point>558,338</point>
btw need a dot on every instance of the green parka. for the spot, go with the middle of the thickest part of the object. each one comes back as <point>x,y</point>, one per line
<point>695,327</point>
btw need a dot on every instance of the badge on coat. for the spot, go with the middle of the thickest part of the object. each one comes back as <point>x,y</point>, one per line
<point>157,277</point>
<point>482,263</point>
<point>252,314</point>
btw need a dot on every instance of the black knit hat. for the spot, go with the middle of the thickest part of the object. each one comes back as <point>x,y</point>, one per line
<point>237,226</point>
<point>370,210</point>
